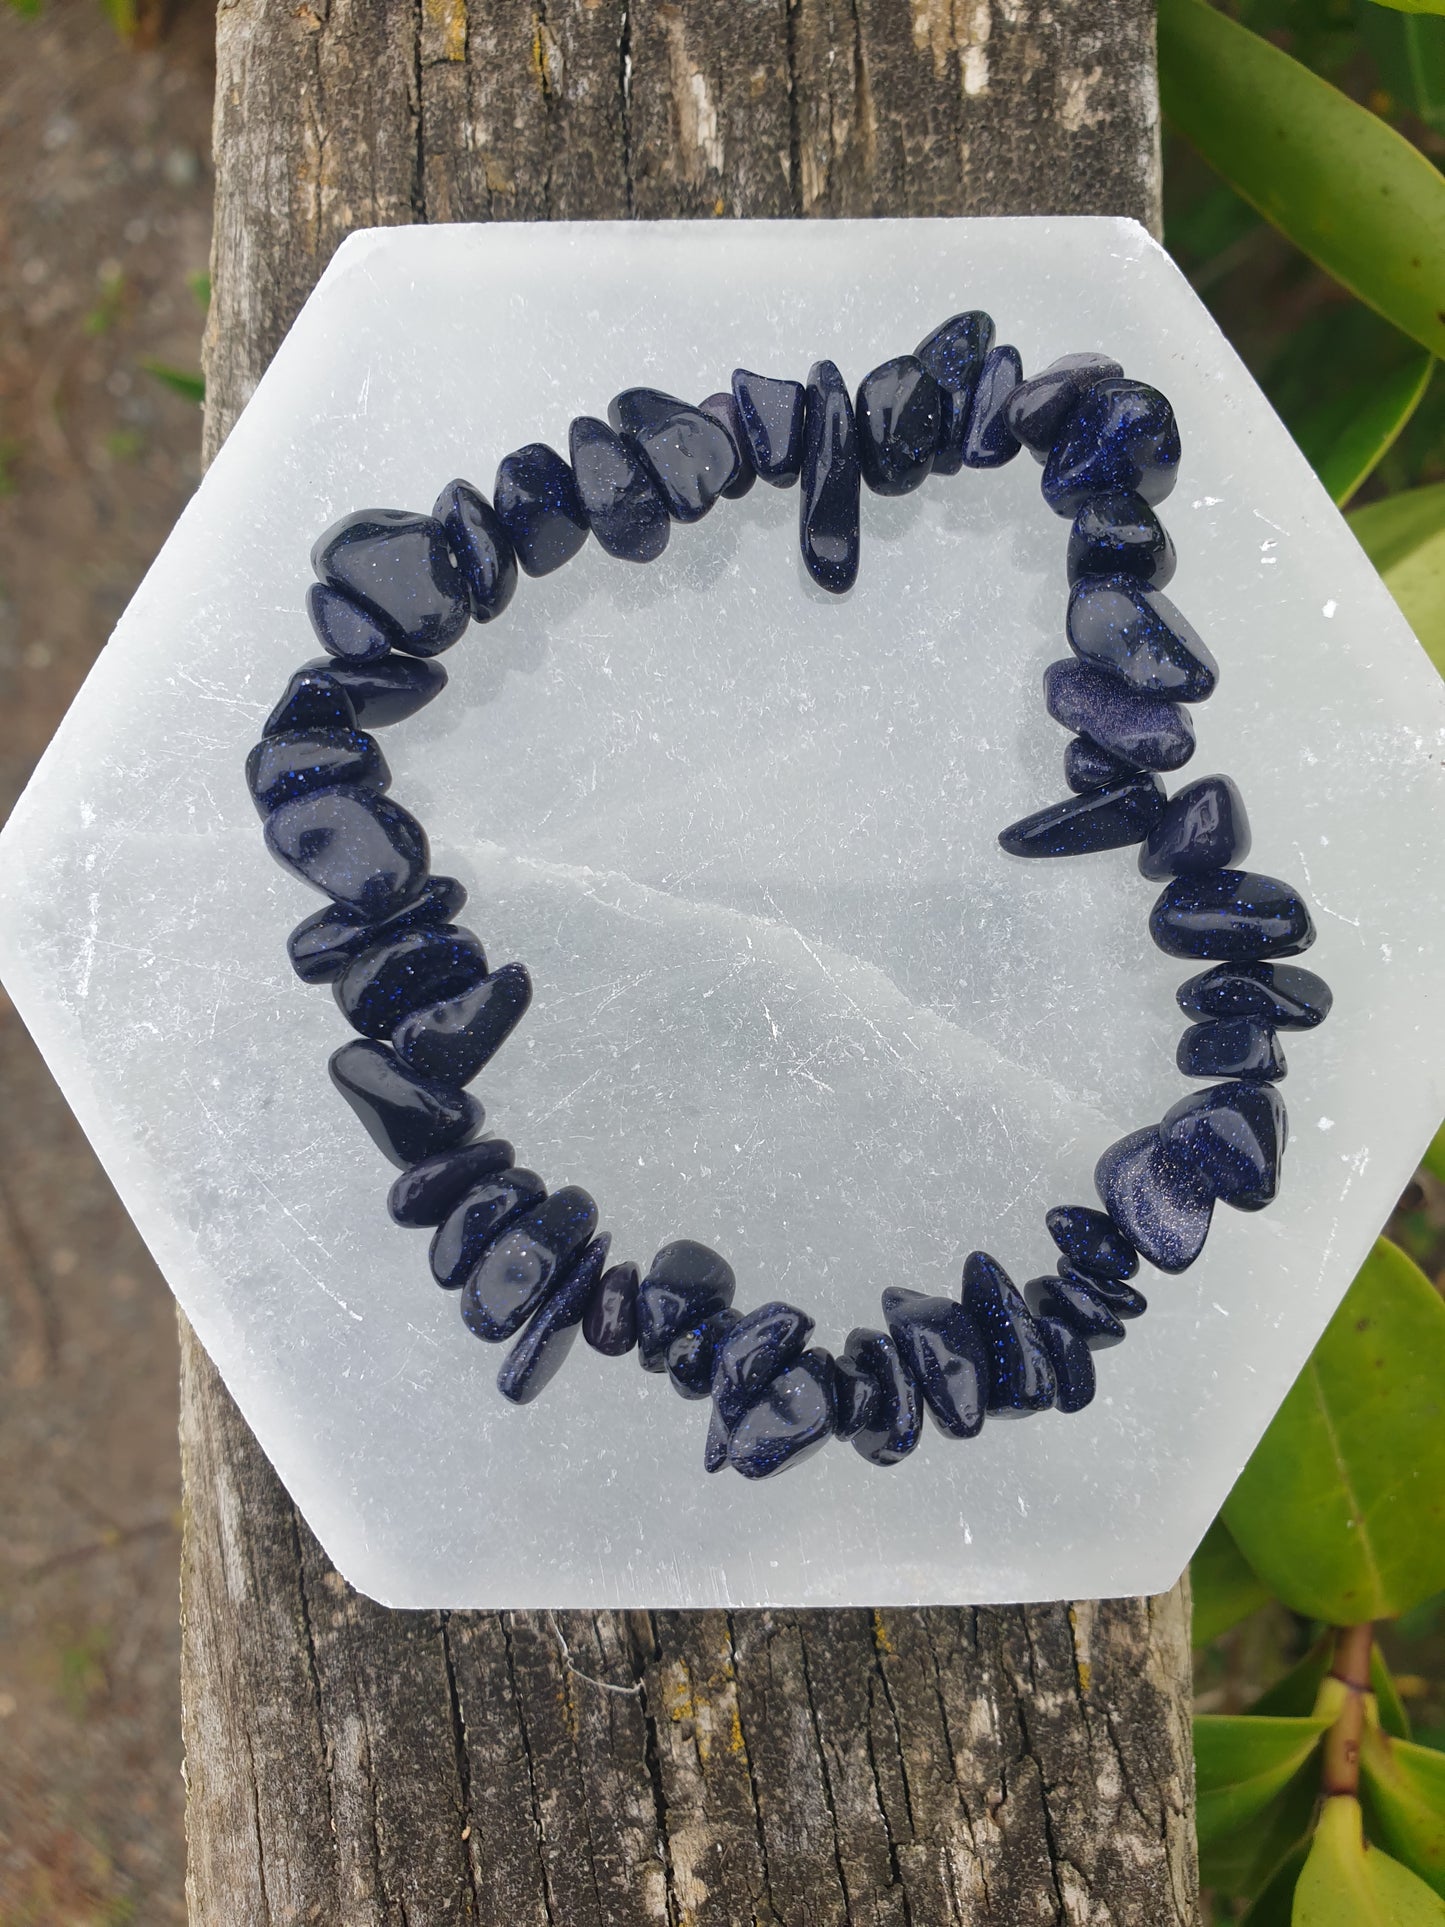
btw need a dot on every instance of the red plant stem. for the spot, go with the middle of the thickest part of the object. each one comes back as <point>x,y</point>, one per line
<point>1340,1765</point>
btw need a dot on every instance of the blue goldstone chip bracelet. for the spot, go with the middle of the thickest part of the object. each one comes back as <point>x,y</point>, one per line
<point>394,589</point>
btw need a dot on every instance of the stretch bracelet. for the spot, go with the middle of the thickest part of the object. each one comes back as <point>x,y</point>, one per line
<point>395,589</point>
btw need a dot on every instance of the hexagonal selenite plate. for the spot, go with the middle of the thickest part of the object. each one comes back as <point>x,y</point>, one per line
<point>791,998</point>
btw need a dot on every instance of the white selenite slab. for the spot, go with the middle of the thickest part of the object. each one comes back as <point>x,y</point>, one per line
<point>791,999</point>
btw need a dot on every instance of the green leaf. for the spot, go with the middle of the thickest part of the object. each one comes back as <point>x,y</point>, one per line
<point>1388,1704</point>
<point>1434,1158</point>
<point>1348,435</point>
<point>1225,1586</point>
<point>1276,1898</point>
<point>1404,1788</point>
<point>1388,531</point>
<point>1342,185</point>
<point>1297,1692</point>
<point>1240,1863</point>
<point>191,386</point>
<point>1241,1763</point>
<point>1341,1509</point>
<point>1347,1884</point>
<point>1418,584</point>
<point>1410,53</point>
<point>1413,6</point>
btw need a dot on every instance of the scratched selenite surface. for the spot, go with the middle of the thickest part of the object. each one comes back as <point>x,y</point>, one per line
<point>791,999</point>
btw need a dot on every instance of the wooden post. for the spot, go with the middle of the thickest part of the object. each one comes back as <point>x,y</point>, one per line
<point>351,1765</point>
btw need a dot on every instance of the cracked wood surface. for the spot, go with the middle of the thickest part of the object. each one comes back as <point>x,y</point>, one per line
<point>348,1764</point>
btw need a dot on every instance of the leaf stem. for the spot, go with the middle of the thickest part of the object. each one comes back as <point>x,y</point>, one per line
<point>1340,1761</point>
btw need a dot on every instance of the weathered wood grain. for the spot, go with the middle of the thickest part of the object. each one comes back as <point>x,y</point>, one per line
<point>353,1765</point>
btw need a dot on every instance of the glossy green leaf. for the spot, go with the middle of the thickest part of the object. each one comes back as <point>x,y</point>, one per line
<point>1225,1586</point>
<point>1347,1884</point>
<point>1404,1788</point>
<point>1275,1901</point>
<point>1348,437</point>
<point>1242,1860</point>
<point>1242,1762</point>
<point>1333,177</point>
<point>1388,531</point>
<point>1418,584</point>
<point>1434,1158</point>
<point>1341,1509</point>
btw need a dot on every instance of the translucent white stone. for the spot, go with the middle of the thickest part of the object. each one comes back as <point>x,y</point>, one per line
<point>791,999</point>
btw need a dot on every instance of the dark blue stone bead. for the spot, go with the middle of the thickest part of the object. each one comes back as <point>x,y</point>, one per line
<point>1076,1302</point>
<point>425,1194</point>
<point>314,699</point>
<point>1236,915</point>
<point>1122,436</point>
<point>1231,1138</point>
<point>1040,408</point>
<point>1119,534</point>
<point>770,413</point>
<point>1156,1198</point>
<point>858,1397</point>
<point>518,1270</point>
<point>1117,624</point>
<point>535,494</point>
<point>321,947</point>
<point>481,545</point>
<point>900,417</point>
<point>610,1326</point>
<point>954,354</point>
<point>1231,1047</point>
<point>1124,1300</point>
<point>758,1347</point>
<point>385,692</point>
<point>715,1451</point>
<point>1071,1362</point>
<point>828,499</point>
<point>893,1424</point>
<point>692,1355</point>
<point>295,762</point>
<point>792,1419</point>
<point>1204,827</point>
<point>362,849</point>
<point>453,1035</point>
<point>477,1220</point>
<point>1283,995</point>
<point>408,1117</point>
<point>1087,767</point>
<point>346,628</point>
<point>691,458</point>
<point>944,1353</point>
<point>988,441</point>
<point>404,972</point>
<point>1020,1378</point>
<point>1101,819</point>
<point>1091,1241</point>
<point>400,567</point>
<point>1143,731</point>
<point>539,1354</point>
<point>622,503</point>
<point>723,409</point>
<point>685,1283</point>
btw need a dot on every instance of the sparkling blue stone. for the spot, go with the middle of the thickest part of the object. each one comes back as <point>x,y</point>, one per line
<point>944,1353</point>
<point>539,1354</point>
<point>1101,819</point>
<point>1236,915</point>
<point>622,503</point>
<point>321,947</point>
<point>1122,436</point>
<point>480,1216</point>
<point>691,458</point>
<point>346,628</point>
<point>1087,767</point>
<point>692,1354</point>
<point>1020,1378</point>
<point>519,1268</point>
<point>1071,1362</point>
<point>1124,1300</point>
<point>535,494</point>
<point>1119,624</point>
<point>454,1035</point>
<point>770,413</point>
<point>1091,1241</point>
<point>857,1396</point>
<point>424,1194</point>
<point>1204,827</point>
<point>1156,1198</point>
<point>828,532</point>
<point>1286,996</point>
<point>1076,1302</point>
<point>1117,533</point>
<point>954,354</point>
<point>408,1118</point>
<point>402,973</point>
<point>892,1424</point>
<point>1142,731</point>
<point>482,547</point>
<point>723,409</point>
<point>1231,1047</point>
<point>1231,1138</point>
<point>360,848</point>
<point>685,1283</point>
<point>400,567</point>
<point>988,441</point>
<point>294,762</point>
<point>1040,408</point>
<point>715,1451</point>
<point>758,1347</point>
<point>610,1324</point>
<point>384,692</point>
<point>899,412</point>
<point>315,698</point>
<point>790,1421</point>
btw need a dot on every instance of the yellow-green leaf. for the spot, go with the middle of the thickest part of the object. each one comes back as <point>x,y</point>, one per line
<point>1418,585</point>
<point>1333,177</point>
<point>1413,6</point>
<point>1404,1788</point>
<point>1241,1763</point>
<point>1388,1704</point>
<point>1225,1586</point>
<point>1388,531</point>
<point>1341,1508</point>
<point>1347,1884</point>
<point>1434,1158</point>
<point>1353,432</point>
<point>1241,1861</point>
